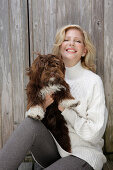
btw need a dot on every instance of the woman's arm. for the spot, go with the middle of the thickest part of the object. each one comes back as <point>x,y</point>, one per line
<point>90,128</point>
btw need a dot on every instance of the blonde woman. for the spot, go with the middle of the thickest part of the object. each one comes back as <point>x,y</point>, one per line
<point>86,125</point>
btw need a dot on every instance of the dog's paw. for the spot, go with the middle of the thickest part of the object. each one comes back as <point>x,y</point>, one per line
<point>69,103</point>
<point>35,112</point>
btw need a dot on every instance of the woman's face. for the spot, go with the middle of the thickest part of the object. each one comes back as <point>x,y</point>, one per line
<point>72,48</point>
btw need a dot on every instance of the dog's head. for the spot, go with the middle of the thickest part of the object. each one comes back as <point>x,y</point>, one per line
<point>47,69</point>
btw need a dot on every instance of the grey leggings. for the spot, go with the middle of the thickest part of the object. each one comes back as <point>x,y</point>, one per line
<point>33,136</point>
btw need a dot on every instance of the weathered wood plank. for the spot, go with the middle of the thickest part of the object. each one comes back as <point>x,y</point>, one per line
<point>98,34</point>
<point>6,110</point>
<point>50,24</point>
<point>108,70</point>
<point>19,54</point>
<point>30,29</point>
<point>67,13</point>
<point>85,13</point>
<point>61,18</point>
<point>43,27</point>
<point>37,27</point>
<point>108,166</point>
<point>1,76</point>
<point>72,12</point>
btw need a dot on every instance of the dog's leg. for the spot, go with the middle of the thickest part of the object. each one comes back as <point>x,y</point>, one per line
<point>65,99</point>
<point>69,103</point>
<point>36,112</point>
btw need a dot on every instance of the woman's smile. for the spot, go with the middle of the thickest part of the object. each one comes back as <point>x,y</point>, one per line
<point>71,50</point>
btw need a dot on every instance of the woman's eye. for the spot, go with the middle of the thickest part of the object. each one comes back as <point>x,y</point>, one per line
<point>66,40</point>
<point>78,41</point>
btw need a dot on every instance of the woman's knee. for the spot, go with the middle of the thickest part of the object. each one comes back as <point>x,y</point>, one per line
<point>31,124</point>
<point>37,128</point>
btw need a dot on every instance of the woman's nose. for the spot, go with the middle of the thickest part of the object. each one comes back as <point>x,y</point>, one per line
<point>72,43</point>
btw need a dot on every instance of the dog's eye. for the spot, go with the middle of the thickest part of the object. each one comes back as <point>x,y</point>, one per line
<point>57,63</point>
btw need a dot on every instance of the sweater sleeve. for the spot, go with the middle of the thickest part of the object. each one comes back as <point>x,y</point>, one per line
<point>92,126</point>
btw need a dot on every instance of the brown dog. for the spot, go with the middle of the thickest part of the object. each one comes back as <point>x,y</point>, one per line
<point>47,75</point>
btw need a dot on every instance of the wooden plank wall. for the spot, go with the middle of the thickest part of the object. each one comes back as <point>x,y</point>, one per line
<point>14,58</point>
<point>30,25</point>
<point>108,71</point>
<point>6,115</point>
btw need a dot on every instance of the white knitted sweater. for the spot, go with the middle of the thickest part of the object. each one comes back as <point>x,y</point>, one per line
<point>87,125</point>
<point>88,122</point>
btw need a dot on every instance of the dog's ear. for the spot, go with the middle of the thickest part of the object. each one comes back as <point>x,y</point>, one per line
<point>61,63</point>
<point>34,72</point>
<point>34,82</point>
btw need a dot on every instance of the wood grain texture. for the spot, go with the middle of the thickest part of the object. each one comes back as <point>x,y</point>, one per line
<point>50,24</point>
<point>108,166</point>
<point>20,58</point>
<point>67,13</point>
<point>37,27</point>
<point>6,110</point>
<point>108,70</point>
<point>98,34</point>
<point>85,15</point>
<point>14,59</point>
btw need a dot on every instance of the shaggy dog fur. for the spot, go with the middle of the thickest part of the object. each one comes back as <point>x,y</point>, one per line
<point>47,75</point>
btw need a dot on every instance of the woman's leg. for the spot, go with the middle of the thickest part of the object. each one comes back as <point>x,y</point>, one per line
<point>70,163</point>
<point>30,135</point>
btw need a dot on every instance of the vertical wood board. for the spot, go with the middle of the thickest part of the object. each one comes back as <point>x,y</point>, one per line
<point>6,110</point>
<point>20,56</point>
<point>108,70</point>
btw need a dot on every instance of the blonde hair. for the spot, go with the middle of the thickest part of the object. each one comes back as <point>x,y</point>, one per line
<point>88,61</point>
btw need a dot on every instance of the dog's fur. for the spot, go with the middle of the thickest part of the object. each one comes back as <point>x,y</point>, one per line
<point>47,75</point>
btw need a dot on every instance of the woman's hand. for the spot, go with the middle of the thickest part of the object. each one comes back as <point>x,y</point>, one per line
<point>48,101</point>
<point>61,108</point>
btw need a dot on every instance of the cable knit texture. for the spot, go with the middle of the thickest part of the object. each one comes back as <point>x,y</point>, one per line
<point>87,123</point>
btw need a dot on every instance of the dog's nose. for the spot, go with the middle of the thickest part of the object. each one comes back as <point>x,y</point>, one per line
<point>52,74</point>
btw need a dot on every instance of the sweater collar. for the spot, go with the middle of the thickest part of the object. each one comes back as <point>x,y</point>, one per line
<point>74,72</point>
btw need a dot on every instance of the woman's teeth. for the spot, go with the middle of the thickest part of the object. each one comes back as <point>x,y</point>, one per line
<point>71,51</point>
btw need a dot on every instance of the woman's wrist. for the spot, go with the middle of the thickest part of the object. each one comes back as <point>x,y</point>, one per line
<point>61,108</point>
